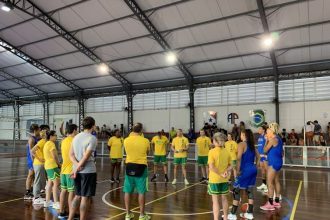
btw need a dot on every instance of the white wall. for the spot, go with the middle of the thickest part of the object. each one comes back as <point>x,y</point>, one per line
<point>155,120</point>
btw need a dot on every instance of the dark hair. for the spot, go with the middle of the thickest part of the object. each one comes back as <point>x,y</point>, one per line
<point>308,123</point>
<point>88,122</point>
<point>316,121</point>
<point>34,127</point>
<point>50,133</point>
<point>264,127</point>
<point>72,128</point>
<point>43,127</point>
<point>137,128</point>
<point>249,138</point>
<point>159,133</point>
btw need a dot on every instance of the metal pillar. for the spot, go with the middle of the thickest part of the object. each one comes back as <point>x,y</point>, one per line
<point>46,112</point>
<point>129,97</point>
<point>192,109</point>
<point>81,112</point>
<point>16,132</point>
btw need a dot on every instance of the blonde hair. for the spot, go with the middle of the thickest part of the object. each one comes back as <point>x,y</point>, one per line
<point>274,127</point>
<point>220,138</point>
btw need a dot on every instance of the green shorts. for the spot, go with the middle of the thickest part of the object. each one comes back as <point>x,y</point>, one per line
<point>233,163</point>
<point>218,188</point>
<point>136,184</point>
<point>202,160</point>
<point>180,160</point>
<point>160,159</point>
<point>116,160</point>
<point>53,174</point>
<point>67,183</point>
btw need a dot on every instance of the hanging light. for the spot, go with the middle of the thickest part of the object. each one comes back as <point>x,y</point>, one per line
<point>103,68</point>
<point>171,57</point>
<point>7,7</point>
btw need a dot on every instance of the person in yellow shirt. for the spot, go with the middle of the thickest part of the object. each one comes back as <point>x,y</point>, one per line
<point>219,161</point>
<point>203,144</point>
<point>160,144</point>
<point>38,166</point>
<point>67,183</point>
<point>231,147</point>
<point>179,146</point>
<point>115,146</point>
<point>136,176</point>
<point>52,165</point>
<point>172,134</point>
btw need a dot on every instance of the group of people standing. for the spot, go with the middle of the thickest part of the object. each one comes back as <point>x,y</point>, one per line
<point>75,176</point>
<point>219,157</point>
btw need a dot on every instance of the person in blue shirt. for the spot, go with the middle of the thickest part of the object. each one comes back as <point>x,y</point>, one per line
<point>247,155</point>
<point>274,151</point>
<point>263,158</point>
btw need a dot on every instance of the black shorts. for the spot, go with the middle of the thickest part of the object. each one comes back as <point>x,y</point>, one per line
<point>85,184</point>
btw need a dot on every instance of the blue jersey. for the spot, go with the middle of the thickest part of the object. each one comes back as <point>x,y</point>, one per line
<point>261,144</point>
<point>248,170</point>
<point>275,155</point>
<point>28,153</point>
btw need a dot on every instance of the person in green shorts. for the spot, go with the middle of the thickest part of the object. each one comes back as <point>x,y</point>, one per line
<point>159,144</point>
<point>115,146</point>
<point>67,183</point>
<point>180,145</point>
<point>219,169</point>
<point>136,175</point>
<point>203,144</point>
<point>52,165</point>
<point>231,147</point>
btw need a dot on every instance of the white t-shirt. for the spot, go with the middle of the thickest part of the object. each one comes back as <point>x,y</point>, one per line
<point>309,128</point>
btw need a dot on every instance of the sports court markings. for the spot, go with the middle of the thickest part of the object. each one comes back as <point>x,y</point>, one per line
<point>153,201</point>
<point>296,201</point>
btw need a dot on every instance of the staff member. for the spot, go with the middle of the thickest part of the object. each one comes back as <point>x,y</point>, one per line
<point>136,177</point>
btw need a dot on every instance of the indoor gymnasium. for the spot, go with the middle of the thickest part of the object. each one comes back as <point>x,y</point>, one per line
<point>164,109</point>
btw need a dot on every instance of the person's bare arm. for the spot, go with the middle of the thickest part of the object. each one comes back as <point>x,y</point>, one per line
<point>73,157</point>
<point>172,147</point>
<point>272,142</point>
<point>55,157</point>
<point>86,155</point>
<point>257,157</point>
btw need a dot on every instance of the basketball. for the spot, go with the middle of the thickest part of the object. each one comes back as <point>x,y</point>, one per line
<point>244,207</point>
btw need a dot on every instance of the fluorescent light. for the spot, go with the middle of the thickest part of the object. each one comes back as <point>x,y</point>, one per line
<point>171,57</point>
<point>268,42</point>
<point>103,68</point>
<point>5,8</point>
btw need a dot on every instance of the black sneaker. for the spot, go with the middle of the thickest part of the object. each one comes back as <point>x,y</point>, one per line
<point>202,179</point>
<point>112,180</point>
<point>117,180</point>
<point>153,179</point>
<point>63,215</point>
<point>166,178</point>
<point>28,196</point>
<point>76,217</point>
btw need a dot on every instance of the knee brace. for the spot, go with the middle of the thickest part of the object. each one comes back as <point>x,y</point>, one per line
<point>249,192</point>
<point>236,194</point>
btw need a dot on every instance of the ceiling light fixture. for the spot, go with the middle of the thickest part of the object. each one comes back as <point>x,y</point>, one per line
<point>171,57</point>
<point>7,7</point>
<point>103,68</point>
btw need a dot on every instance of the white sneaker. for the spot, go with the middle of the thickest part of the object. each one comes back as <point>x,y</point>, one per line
<point>247,215</point>
<point>38,201</point>
<point>232,217</point>
<point>174,182</point>
<point>265,190</point>
<point>186,182</point>
<point>262,187</point>
<point>48,204</point>
<point>56,205</point>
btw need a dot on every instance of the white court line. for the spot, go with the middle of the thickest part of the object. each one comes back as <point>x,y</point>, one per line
<point>151,213</point>
<point>1,181</point>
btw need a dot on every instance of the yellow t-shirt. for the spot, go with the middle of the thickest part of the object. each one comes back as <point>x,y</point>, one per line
<point>231,147</point>
<point>50,162</point>
<point>39,152</point>
<point>116,147</point>
<point>160,145</point>
<point>130,134</point>
<point>203,145</point>
<point>180,143</point>
<point>221,159</point>
<point>67,165</point>
<point>136,148</point>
